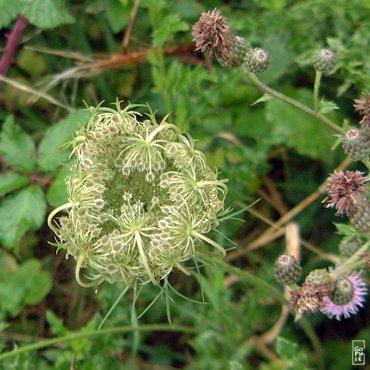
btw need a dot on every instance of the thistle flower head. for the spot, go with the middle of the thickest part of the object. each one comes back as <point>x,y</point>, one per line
<point>363,107</point>
<point>256,60</point>
<point>344,189</point>
<point>212,35</point>
<point>287,269</point>
<point>346,299</point>
<point>141,199</point>
<point>324,61</point>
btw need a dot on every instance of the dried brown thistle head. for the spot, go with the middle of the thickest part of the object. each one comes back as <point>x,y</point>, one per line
<point>363,107</point>
<point>343,190</point>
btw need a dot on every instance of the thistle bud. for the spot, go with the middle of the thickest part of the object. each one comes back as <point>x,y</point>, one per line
<point>360,217</point>
<point>348,247</point>
<point>213,36</point>
<point>357,144</point>
<point>320,280</point>
<point>363,107</point>
<point>343,291</point>
<point>287,270</point>
<point>256,60</point>
<point>324,61</point>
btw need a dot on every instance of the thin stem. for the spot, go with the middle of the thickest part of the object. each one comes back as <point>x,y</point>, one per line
<point>114,305</point>
<point>87,334</point>
<point>94,283</point>
<point>316,88</point>
<point>293,102</point>
<point>244,275</point>
<point>143,258</point>
<point>353,263</point>
<point>54,212</point>
<point>209,241</point>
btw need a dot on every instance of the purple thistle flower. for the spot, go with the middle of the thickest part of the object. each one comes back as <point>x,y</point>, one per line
<point>334,310</point>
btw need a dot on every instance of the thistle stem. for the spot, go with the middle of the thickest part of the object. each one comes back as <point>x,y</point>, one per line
<point>316,88</point>
<point>352,264</point>
<point>268,90</point>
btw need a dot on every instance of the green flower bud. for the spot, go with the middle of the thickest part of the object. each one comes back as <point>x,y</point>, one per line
<point>348,247</point>
<point>287,270</point>
<point>256,60</point>
<point>141,199</point>
<point>357,144</point>
<point>321,280</point>
<point>324,61</point>
<point>343,291</point>
<point>360,217</point>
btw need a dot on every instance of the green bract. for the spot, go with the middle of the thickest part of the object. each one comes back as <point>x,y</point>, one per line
<point>141,199</point>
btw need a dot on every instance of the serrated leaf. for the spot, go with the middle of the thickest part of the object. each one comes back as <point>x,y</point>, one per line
<point>37,282</point>
<point>17,147</point>
<point>262,99</point>
<point>56,324</point>
<point>8,12</point>
<point>118,14</point>
<point>20,212</point>
<point>57,193</point>
<point>12,181</point>
<point>46,13</point>
<point>327,106</point>
<point>167,28</point>
<point>51,151</point>
<point>296,129</point>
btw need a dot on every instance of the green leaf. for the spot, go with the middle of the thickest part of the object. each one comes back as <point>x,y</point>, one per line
<point>167,28</point>
<point>56,324</point>
<point>20,212</point>
<point>262,99</point>
<point>17,147</point>
<point>327,106</point>
<point>57,193</point>
<point>46,13</point>
<point>8,12</point>
<point>51,151</point>
<point>12,181</point>
<point>118,14</point>
<point>291,352</point>
<point>296,129</point>
<point>37,282</point>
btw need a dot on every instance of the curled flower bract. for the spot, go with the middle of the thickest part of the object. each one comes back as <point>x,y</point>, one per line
<point>141,199</point>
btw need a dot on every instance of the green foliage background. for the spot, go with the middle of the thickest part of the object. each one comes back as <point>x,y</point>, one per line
<point>249,143</point>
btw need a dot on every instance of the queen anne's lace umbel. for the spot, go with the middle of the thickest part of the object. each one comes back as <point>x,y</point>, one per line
<point>141,199</point>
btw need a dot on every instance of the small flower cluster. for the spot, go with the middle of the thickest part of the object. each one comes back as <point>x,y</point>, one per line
<point>141,199</point>
<point>213,36</point>
<point>356,143</point>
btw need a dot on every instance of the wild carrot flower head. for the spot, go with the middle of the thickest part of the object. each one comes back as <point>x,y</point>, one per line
<point>363,107</point>
<point>347,297</point>
<point>141,199</point>
<point>212,35</point>
<point>343,190</point>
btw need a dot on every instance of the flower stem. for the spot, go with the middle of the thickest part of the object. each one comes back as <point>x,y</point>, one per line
<point>88,334</point>
<point>352,264</point>
<point>93,284</point>
<point>268,90</point>
<point>316,89</point>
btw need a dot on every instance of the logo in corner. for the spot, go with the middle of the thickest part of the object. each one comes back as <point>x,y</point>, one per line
<point>358,352</point>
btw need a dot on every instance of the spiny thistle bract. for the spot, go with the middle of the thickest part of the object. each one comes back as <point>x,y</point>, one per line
<point>141,199</point>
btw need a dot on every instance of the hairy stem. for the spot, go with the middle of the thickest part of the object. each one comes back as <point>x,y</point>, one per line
<point>260,85</point>
<point>316,88</point>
